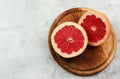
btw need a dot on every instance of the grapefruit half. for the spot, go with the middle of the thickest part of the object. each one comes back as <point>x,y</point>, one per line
<point>96,25</point>
<point>69,39</point>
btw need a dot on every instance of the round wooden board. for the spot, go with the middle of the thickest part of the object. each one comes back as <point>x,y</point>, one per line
<point>93,59</point>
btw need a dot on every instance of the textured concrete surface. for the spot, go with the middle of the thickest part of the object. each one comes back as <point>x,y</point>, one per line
<point>24,27</point>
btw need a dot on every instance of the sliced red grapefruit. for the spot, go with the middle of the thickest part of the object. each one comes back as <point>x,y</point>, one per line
<point>96,25</point>
<point>69,39</point>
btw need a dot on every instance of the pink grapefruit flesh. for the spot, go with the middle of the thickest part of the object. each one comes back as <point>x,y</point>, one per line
<point>96,27</point>
<point>69,39</point>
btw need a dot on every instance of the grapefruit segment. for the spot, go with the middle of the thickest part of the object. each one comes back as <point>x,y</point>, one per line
<point>69,39</point>
<point>96,26</point>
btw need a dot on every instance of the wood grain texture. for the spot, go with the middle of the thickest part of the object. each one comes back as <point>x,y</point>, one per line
<point>93,59</point>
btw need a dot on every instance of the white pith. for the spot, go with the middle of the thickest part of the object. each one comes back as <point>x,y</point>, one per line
<point>93,28</point>
<point>70,40</point>
<point>73,54</point>
<point>98,15</point>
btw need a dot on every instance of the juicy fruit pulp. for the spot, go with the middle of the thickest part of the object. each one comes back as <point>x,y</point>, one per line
<point>94,26</point>
<point>69,39</point>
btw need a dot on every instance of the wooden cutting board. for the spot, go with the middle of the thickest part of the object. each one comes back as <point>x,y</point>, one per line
<point>93,59</point>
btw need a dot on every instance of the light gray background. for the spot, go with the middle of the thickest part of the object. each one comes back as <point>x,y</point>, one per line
<point>24,27</point>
